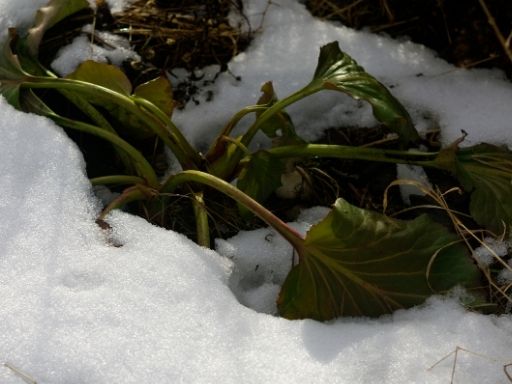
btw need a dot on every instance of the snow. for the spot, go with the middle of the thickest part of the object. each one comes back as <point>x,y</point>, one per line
<point>286,51</point>
<point>141,304</point>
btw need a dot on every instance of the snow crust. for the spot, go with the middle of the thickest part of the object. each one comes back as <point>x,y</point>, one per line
<point>144,305</point>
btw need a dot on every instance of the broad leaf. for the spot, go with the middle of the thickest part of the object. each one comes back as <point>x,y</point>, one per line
<point>338,71</point>
<point>260,177</point>
<point>361,263</point>
<point>48,16</point>
<point>159,92</point>
<point>485,171</point>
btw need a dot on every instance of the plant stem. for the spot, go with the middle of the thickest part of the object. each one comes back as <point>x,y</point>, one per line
<point>290,234</point>
<point>201,215</point>
<point>216,148</point>
<point>276,107</point>
<point>169,134</point>
<point>117,180</point>
<point>356,153</point>
<point>141,164</point>
<point>225,166</point>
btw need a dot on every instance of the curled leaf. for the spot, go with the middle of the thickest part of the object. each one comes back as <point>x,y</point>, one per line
<point>361,263</point>
<point>485,171</point>
<point>48,16</point>
<point>338,71</point>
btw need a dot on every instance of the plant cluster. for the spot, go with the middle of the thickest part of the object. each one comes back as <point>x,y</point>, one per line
<point>355,262</point>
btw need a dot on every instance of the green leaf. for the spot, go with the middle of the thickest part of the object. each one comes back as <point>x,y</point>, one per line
<point>48,16</point>
<point>260,177</point>
<point>159,92</point>
<point>11,73</point>
<point>102,74</point>
<point>361,263</point>
<point>485,171</point>
<point>338,71</point>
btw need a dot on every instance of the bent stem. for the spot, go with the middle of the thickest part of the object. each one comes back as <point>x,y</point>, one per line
<point>426,159</point>
<point>290,234</point>
<point>117,180</point>
<point>167,131</point>
<point>141,164</point>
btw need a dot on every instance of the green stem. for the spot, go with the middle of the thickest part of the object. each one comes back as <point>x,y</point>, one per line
<point>356,153</point>
<point>201,215</point>
<point>169,134</point>
<point>278,106</point>
<point>226,165</point>
<point>216,149</point>
<point>173,130</point>
<point>141,164</point>
<point>290,234</point>
<point>117,180</point>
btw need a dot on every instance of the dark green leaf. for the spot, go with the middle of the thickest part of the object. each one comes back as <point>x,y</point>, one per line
<point>159,92</point>
<point>361,263</point>
<point>48,16</point>
<point>338,71</point>
<point>11,73</point>
<point>260,177</point>
<point>485,171</point>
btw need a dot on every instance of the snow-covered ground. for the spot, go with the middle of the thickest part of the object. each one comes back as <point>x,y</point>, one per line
<point>146,305</point>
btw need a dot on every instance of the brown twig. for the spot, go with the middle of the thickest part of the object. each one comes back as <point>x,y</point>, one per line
<point>505,43</point>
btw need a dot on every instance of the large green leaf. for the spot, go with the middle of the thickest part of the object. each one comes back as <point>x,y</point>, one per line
<point>361,263</point>
<point>338,71</point>
<point>485,171</point>
<point>260,177</point>
<point>49,15</point>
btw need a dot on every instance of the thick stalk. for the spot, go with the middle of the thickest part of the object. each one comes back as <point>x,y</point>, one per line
<point>173,130</point>
<point>141,164</point>
<point>201,215</point>
<point>216,148</point>
<point>356,153</point>
<point>169,134</point>
<point>272,110</point>
<point>290,234</point>
<point>225,165</point>
<point>117,180</point>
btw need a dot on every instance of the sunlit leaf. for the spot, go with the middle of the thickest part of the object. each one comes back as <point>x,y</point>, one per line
<point>159,92</point>
<point>485,171</point>
<point>361,263</point>
<point>260,177</point>
<point>338,71</point>
<point>49,15</point>
<point>103,74</point>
